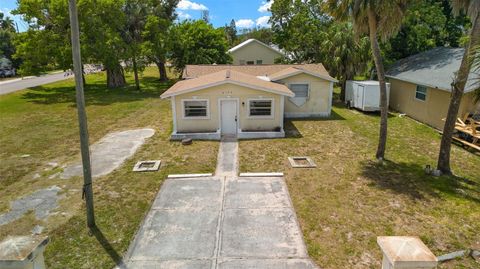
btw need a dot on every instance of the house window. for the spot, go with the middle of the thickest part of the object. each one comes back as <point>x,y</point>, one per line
<point>300,90</point>
<point>421,93</point>
<point>259,61</point>
<point>260,108</point>
<point>242,62</point>
<point>250,62</point>
<point>195,109</point>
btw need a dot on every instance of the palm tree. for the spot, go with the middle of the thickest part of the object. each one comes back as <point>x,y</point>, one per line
<point>380,19</point>
<point>6,23</point>
<point>472,9</point>
<point>346,56</point>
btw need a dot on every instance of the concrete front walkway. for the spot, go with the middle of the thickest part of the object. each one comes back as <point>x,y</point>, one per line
<point>223,222</point>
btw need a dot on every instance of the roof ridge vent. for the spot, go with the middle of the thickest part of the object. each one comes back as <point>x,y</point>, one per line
<point>227,74</point>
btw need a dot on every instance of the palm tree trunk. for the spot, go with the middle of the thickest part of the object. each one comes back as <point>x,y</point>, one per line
<point>377,57</point>
<point>135,72</point>
<point>457,92</point>
<point>162,71</point>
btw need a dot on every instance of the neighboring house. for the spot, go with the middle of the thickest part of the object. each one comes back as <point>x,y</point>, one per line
<point>421,86</point>
<point>253,52</point>
<point>247,101</point>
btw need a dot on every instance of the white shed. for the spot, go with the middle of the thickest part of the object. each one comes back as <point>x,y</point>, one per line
<point>364,95</point>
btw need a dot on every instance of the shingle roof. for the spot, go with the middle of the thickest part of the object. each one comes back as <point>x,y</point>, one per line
<point>193,71</point>
<point>434,68</point>
<point>224,77</point>
<point>252,40</point>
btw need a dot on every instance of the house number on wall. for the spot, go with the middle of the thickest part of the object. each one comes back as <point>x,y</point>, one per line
<point>227,92</point>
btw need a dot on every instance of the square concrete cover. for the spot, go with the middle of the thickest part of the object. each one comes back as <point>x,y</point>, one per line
<point>261,233</point>
<point>169,234</point>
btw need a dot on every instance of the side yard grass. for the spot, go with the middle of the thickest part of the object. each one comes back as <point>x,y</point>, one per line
<point>350,199</point>
<point>38,126</point>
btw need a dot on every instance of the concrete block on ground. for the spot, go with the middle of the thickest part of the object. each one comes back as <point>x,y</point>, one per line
<point>407,252</point>
<point>23,252</point>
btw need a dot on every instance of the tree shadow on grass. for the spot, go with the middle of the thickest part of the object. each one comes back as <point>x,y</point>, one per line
<point>410,180</point>
<point>95,231</point>
<point>97,93</point>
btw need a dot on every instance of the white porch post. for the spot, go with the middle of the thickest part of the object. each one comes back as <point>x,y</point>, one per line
<point>174,115</point>
<point>282,110</point>
<point>330,99</point>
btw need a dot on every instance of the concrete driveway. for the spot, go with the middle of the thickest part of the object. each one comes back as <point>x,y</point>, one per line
<point>220,222</point>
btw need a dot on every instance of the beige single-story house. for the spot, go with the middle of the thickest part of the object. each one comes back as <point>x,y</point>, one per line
<point>253,52</point>
<point>247,101</point>
<point>421,86</point>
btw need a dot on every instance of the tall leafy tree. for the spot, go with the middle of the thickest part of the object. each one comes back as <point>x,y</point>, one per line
<point>7,34</point>
<point>197,42</point>
<point>297,26</point>
<point>472,9</point>
<point>380,19</point>
<point>231,32</point>
<point>136,12</point>
<point>156,34</point>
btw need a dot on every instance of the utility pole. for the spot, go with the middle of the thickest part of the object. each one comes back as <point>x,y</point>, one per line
<point>82,116</point>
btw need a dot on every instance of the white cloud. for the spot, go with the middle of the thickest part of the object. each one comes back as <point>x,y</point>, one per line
<point>245,23</point>
<point>265,7</point>
<point>263,21</point>
<point>184,16</point>
<point>188,5</point>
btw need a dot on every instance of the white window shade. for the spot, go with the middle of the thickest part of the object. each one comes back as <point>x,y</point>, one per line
<point>195,108</point>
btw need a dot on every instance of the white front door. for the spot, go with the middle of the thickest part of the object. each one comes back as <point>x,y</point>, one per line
<point>228,116</point>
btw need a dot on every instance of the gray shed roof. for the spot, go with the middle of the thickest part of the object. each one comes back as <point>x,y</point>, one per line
<point>434,68</point>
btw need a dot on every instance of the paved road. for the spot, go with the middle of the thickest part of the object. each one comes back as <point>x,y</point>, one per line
<point>16,85</point>
<point>220,222</point>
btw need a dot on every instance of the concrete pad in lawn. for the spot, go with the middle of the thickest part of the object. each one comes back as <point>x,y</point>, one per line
<point>110,152</point>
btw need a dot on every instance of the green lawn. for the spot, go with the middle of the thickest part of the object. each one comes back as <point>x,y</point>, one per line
<point>42,122</point>
<point>342,205</point>
<point>350,199</point>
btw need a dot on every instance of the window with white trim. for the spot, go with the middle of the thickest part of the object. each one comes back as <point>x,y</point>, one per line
<point>242,62</point>
<point>259,61</point>
<point>260,108</point>
<point>421,93</point>
<point>195,108</point>
<point>250,62</point>
<point>300,89</point>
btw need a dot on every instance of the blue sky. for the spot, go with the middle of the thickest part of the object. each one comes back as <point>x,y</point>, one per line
<point>246,13</point>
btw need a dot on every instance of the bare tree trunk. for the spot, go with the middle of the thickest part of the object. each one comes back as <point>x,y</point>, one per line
<point>343,88</point>
<point>115,77</point>
<point>135,72</point>
<point>162,71</point>
<point>457,92</point>
<point>377,57</point>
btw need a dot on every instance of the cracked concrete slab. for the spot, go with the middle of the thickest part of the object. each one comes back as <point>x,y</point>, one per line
<point>41,202</point>
<point>110,152</point>
<point>220,222</point>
